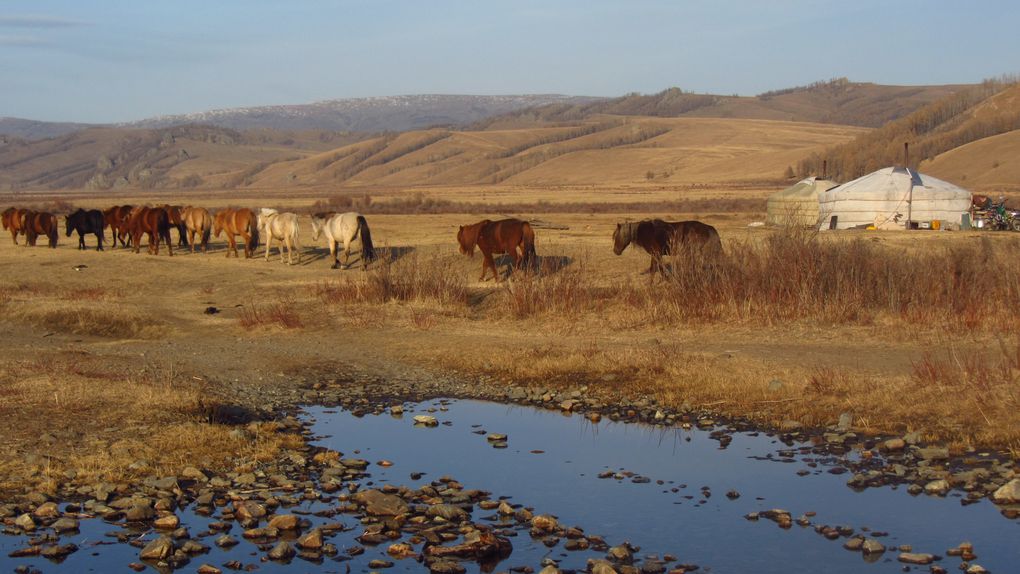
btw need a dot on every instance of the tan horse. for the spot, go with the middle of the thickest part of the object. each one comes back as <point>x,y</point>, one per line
<point>198,222</point>
<point>236,222</point>
<point>13,221</point>
<point>283,227</point>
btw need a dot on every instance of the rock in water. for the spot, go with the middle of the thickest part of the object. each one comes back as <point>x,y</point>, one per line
<point>1008,493</point>
<point>158,549</point>
<point>284,522</point>
<point>311,541</point>
<point>379,503</point>
<point>282,551</point>
<point>916,558</point>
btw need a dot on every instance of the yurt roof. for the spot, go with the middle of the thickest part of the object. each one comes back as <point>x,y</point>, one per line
<point>806,188</point>
<point>892,183</point>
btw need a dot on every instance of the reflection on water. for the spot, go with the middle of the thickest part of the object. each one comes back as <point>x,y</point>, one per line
<point>683,509</point>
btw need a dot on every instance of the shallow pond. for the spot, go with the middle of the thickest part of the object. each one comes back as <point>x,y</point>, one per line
<point>563,480</point>
<point>552,463</point>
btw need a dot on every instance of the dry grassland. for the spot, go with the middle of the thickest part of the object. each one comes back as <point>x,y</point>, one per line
<point>904,331</point>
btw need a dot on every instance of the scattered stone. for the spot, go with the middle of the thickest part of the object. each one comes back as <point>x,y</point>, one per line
<point>872,546</point>
<point>47,510</point>
<point>168,522</point>
<point>284,522</point>
<point>65,525</point>
<point>25,522</point>
<point>425,420</point>
<point>158,549</point>
<point>915,558</point>
<point>226,541</point>
<point>311,541</point>
<point>379,503</point>
<point>1008,493</point>
<point>446,567</point>
<point>937,487</point>
<point>895,444</point>
<point>209,569</point>
<point>544,523</point>
<point>281,552</point>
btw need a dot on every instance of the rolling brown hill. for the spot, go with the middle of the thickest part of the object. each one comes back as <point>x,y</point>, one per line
<point>605,151</point>
<point>180,157</point>
<point>945,127</point>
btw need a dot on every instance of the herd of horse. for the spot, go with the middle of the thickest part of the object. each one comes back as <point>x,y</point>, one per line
<point>514,238</point>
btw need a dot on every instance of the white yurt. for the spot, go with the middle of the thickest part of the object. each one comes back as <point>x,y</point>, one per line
<point>886,198</point>
<point>797,204</point>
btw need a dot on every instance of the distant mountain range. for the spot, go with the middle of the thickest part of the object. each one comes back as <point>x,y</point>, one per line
<point>373,115</point>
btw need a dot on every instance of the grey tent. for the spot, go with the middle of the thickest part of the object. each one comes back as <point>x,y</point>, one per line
<point>886,198</point>
<point>797,204</point>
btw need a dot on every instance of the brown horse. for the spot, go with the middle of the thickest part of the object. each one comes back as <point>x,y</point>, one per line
<point>116,218</point>
<point>12,221</point>
<point>659,238</point>
<point>36,223</point>
<point>198,222</point>
<point>235,222</point>
<point>152,221</point>
<point>498,237</point>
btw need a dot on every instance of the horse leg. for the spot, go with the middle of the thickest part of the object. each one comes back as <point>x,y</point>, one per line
<point>332,254</point>
<point>269,244</point>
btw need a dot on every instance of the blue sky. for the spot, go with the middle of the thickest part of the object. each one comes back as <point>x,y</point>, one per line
<point>121,60</point>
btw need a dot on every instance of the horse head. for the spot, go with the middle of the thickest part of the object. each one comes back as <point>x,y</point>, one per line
<point>622,237</point>
<point>467,240</point>
<point>67,224</point>
<point>318,223</point>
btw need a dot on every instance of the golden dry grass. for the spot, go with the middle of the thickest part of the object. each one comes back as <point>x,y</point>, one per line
<point>85,419</point>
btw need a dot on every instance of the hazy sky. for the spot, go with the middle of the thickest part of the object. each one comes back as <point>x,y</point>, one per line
<point>121,60</point>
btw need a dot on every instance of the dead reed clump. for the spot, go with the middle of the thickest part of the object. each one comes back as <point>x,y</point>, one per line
<point>798,275</point>
<point>417,279</point>
<point>280,312</point>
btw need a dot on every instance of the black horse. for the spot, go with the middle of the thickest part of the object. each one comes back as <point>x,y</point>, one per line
<point>91,221</point>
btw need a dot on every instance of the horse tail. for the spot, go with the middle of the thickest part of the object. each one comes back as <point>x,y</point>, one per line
<point>528,239</point>
<point>52,231</point>
<point>253,229</point>
<point>367,249</point>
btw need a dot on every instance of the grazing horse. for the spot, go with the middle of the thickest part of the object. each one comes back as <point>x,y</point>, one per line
<point>345,227</point>
<point>498,237</point>
<point>12,220</point>
<point>36,223</point>
<point>281,226</point>
<point>173,212</point>
<point>116,218</point>
<point>241,222</point>
<point>659,237</point>
<point>91,221</point>
<point>198,222</point>
<point>152,221</point>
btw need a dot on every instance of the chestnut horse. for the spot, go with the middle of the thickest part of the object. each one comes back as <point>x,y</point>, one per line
<point>12,220</point>
<point>235,222</point>
<point>84,222</point>
<point>116,218</point>
<point>152,221</point>
<point>198,222</point>
<point>36,223</point>
<point>498,237</point>
<point>659,238</point>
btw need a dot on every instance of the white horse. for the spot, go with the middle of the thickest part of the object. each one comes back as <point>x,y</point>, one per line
<point>344,227</point>
<point>283,227</point>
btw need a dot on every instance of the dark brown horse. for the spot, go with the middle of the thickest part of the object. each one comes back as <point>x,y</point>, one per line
<point>84,222</point>
<point>151,221</point>
<point>236,222</point>
<point>36,223</point>
<point>177,222</point>
<point>659,238</point>
<point>498,237</point>
<point>116,218</point>
<point>12,221</point>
